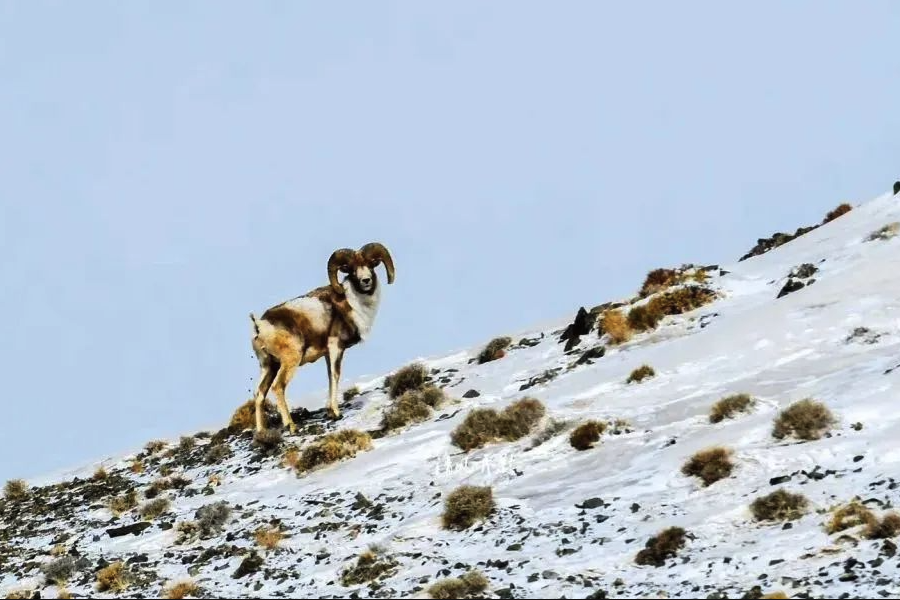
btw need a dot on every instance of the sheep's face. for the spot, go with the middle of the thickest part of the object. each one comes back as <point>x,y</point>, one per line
<point>361,276</point>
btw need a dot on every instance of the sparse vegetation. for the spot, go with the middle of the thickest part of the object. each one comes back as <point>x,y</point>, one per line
<point>245,415</point>
<point>268,537</point>
<point>884,233</point>
<point>60,570</point>
<point>680,301</point>
<point>100,474</point>
<point>467,505</point>
<point>291,458</point>
<point>709,465</point>
<point>165,483</point>
<point>780,505</point>
<point>839,210</point>
<point>470,585</point>
<point>413,406</point>
<point>586,435</point>
<point>123,503</point>
<point>658,280</point>
<point>805,420</point>
<point>154,446</point>
<point>154,508</point>
<point>268,441</point>
<point>136,467</point>
<point>186,443</point>
<point>410,377</point>
<point>494,350</point>
<point>62,593</point>
<point>886,528</point>
<point>850,515</point>
<point>333,447</point>
<point>484,425</point>
<point>640,374</point>
<point>351,393</point>
<point>729,406</point>
<point>211,518</point>
<point>662,546</point>
<point>216,454</point>
<point>641,318</point>
<point>15,490</point>
<point>180,590</point>
<point>614,324</point>
<point>114,578</point>
<point>20,594</point>
<point>370,565</point>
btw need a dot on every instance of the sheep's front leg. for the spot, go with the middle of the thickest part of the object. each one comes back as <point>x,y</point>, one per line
<point>282,379</point>
<point>334,359</point>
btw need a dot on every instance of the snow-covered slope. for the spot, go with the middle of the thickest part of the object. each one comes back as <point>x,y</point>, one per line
<point>542,541</point>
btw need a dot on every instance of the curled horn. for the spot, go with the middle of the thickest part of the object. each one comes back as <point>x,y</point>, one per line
<point>339,258</point>
<point>375,253</point>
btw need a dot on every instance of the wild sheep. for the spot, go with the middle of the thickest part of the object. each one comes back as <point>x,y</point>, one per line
<point>324,322</point>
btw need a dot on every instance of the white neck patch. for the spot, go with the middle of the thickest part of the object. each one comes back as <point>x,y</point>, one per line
<point>365,307</point>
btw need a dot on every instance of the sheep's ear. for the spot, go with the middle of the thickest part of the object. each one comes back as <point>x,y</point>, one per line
<point>346,269</point>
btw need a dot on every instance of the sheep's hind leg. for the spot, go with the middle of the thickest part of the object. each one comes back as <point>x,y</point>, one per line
<point>282,379</point>
<point>266,377</point>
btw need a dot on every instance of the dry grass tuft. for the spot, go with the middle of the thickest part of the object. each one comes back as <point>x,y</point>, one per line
<point>470,585</point>
<point>136,467</point>
<point>58,550</point>
<point>351,393</point>
<point>728,406</point>
<point>884,233</point>
<point>370,565</point>
<point>614,324</point>
<point>186,443</point>
<point>154,508</point>
<point>641,318</point>
<point>485,425</point>
<point>806,420</point>
<point>268,537</point>
<point>62,593</point>
<point>100,474</point>
<point>410,377</point>
<point>780,505</point>
<point>333,447</point>
<point>413,406</point>
<point>182,589</point>
<point>466,505</point>
<point>888,527</point>
<point>268,441</point>
<point>710,465</point>
<point>662,546</point>
<point>59,571</point>
<point>291,458</point>
<point>245,415</point>
<point>839,210</point>
<point>775,596</point>
<point>216,454</point>
<point>494,350</point>
<point>15,490</point>
<point>658,280</point>
<point>586,435</point>
<point>154,446</point>
<point>113,578</point>
<point>850,515</point>
<point>123,503</point>
<point>641,373</point>
<point>680,301</point>
<point>21,594</point>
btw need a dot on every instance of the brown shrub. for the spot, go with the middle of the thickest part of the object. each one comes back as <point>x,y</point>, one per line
<point>614,324</point>
<point>888,527</point>
<point>657,280</point>
<point>586,435</point>
<point>291,458</point>
<point>494,350</point>
<point>640,374</point>
<point>806,420</point>
<point>182,589</point>
<point>469,585</point>
<point>154,446</point>
<point>123,503</point>
<point>114,577</point>
<point>20,594</point>
<point>710,465</point>
<point>100,474</point>
<point>466,505</point>
<point>413,406</point>
<point>410,377</point>
<point>136,467</point>
<point>268,537</point>
<point>662,546</point>
<point>333,447</point>
<point>351,393</point>
<point>245,415</point>
<point>62,593</point>
<point>641,318</point>
<point>15,490</point>
<point>779,506</point>
<point>369,567</point>
<point>268,441</point>
<point>728,406</point>
<point>850,515</point>
<point>186,443</point>
<point>680,301</point>
<point>216,453</point>
<point>154,508</point>
<point>839,210</point>
<point>485,425</point>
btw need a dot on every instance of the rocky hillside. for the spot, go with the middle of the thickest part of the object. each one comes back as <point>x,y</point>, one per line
<point>754,456</point>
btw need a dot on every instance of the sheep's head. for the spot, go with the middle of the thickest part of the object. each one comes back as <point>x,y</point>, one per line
<point>360,265</point>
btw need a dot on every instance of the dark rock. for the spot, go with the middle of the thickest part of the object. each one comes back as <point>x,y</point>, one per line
<point>545,377</point>
<point>896,187</point>
<point>888,549</point>
<point>779,480</point>
<point>858,458</point>
<point>635,507</point>
<point>590,354</point>
<point>787,525</point>
<point>249,565</point>
<point>804,271</point>
<point>592,503</point>
<point>134,529</point>
<point>790,287</point>
<point>597,595</point>
<point>764,245</point>
<point>582,325</point>
<point>138,558</point>
<point>471,394</point>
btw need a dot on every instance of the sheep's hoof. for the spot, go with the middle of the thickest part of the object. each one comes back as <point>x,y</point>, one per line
<point>334,415</point>
<point>293,428</point>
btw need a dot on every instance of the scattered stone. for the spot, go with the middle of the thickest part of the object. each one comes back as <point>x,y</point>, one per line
<point>134,529</point>
<point>779,480</point>
<point>471,394</point>
<point>592,503</point>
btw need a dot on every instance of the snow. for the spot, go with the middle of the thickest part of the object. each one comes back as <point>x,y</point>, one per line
<point>777,350</point>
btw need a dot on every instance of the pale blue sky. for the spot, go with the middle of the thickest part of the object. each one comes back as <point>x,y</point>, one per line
<point>167,168</point>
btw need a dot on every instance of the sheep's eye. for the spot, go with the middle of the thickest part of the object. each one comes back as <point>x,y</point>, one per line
<point>346,270</point>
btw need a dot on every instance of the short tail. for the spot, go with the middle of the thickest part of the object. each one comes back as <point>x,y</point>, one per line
<point>255,324</point>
